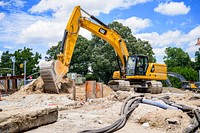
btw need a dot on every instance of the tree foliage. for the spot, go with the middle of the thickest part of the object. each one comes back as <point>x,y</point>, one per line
<point>176,57</point>
<point>134,45</point>
<point>81,57</point>
<point>6,63</point>
<point>179,62</point>
<point>197,60</point>
<point>53,51</point>
<point>21,55</point>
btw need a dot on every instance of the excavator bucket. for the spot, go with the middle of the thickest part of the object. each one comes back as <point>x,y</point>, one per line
<point>52,73</point>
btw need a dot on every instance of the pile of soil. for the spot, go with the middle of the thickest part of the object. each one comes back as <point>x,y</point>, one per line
<point>36,86</point>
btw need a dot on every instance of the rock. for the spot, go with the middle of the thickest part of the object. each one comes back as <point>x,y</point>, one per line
<point>146,124</point>
<point>119,96</point>
<point>173,121</point>
<point>194,98</point>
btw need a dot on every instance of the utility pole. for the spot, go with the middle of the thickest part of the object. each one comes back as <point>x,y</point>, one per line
<point>25,72</point>
<point>199,75</point>
<point>13,61</point>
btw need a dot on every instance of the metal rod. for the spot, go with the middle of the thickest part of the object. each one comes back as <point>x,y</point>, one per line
<point>74,89</point>
<point>13,61</point>
<point>199,75</point>
<point>85,12</point>
<point>13,68</point>
<point>24,72</point>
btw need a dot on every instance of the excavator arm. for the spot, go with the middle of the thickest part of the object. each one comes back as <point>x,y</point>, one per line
<point>101,30</point>
<point>52,72</point>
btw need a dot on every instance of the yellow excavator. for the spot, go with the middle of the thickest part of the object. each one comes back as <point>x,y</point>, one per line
<point>134,71</point>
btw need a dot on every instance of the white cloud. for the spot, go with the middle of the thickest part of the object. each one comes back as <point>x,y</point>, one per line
<point>2,16</point>
<point>176,38</point>
<point>8,47</point>
<point>164,39</point>
<point>10,31</point>
<point>13,3</point>
<point>135,23</point>
<point>38,29</point>
<point>50,30</point>
<point>159,51</point>
<point>42,31</point>
<point>2,3</point>
<point>96,8</point>
<point>85,33</point>
<point>172,8</point>
<point>192,59</point>
<point>0,54</point>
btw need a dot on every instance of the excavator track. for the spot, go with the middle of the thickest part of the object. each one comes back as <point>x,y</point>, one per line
<point>51,73</point>
<point>121,85</point>
<point>155,87</point>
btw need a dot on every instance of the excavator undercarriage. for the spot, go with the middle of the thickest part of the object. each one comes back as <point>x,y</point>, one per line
<point>154,87</point>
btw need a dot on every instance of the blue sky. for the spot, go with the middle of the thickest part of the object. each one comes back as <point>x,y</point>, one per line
<point>39,24</point>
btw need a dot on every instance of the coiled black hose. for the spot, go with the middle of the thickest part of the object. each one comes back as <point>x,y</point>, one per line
<point>132,103</point>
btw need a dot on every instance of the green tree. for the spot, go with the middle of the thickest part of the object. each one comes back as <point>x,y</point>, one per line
<point>134,45</point>
<point>176,57</point>
<point>197,60</point>
<point>22,55</point>
<point>188,73</point>
<point>179,62</point>
<point>103,57</point>
<point>53,51</point>
<point>6,63</point>
<point>80,58</point>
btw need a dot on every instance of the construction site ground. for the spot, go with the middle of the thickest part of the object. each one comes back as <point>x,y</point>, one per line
<point>75,116</point>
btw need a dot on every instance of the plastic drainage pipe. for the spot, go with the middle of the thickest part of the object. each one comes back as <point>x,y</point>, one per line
<point>158,104</point>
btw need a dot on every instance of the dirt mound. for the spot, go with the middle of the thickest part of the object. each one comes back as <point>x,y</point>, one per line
<point>35,86</point>
<point>170,120</point>
<point>172,89</point>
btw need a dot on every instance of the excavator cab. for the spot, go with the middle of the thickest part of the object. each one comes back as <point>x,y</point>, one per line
<point>136,65</point>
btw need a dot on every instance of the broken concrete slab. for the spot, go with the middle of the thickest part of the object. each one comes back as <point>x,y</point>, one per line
<point>25,119</point>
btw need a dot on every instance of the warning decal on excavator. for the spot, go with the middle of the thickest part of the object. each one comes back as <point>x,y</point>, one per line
<point>102,31</point>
